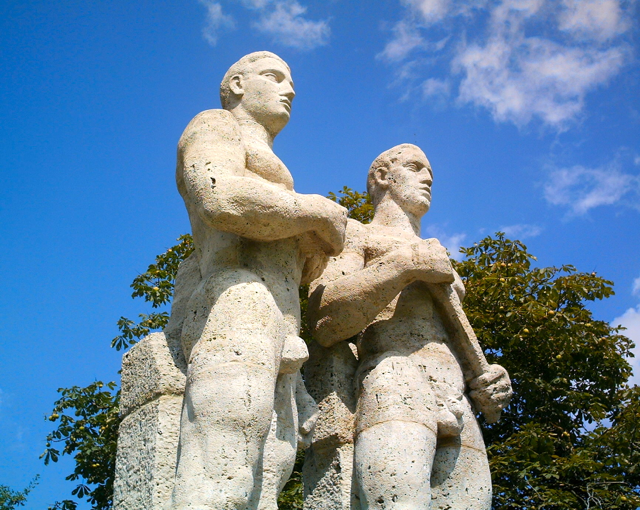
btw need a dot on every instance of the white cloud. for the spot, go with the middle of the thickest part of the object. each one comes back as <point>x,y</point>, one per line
<point>522,231</point>
<point>287,26</point>
<point>517,77</point>
<point>255,4</point>
<point>451,242</point>
<point>636,161</point>
<point>582,189</point>
<point>431,11</point>
<point>631,320</point>
<point>217,21</point>
<point>599,19</point>
<point>281,19</point>
<point>519,59</point>
<point>406,39</point>
<point>435,87</point>
<point>636,287</point>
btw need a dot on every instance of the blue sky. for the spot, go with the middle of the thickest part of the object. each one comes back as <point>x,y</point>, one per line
<point>529,111</point>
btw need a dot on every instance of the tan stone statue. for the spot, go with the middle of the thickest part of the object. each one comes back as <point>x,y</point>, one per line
<point>256,240</point>
<point>420,372</point>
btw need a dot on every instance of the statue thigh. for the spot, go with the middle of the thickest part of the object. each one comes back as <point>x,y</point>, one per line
<point>396,436</point>
<point>233,336</point>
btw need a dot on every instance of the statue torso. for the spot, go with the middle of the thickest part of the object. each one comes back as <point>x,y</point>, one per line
<point>410,325</point>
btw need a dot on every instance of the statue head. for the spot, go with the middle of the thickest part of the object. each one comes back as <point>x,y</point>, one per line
<point>259,86</point>
<point>402,174</point>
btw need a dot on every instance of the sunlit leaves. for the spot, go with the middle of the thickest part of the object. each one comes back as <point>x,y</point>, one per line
<point>358,205</point>
<point>11,499</point>
<point>155,286</point>
<point>554,447</point>
<point>87,428</point>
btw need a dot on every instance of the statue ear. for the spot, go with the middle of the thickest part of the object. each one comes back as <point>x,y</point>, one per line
<point>236,85</point>
<point>381,177</point>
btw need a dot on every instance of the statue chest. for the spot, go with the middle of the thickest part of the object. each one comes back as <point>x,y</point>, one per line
<point>262,162</point>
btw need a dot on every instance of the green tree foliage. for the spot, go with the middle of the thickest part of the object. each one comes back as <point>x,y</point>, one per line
<point>156,287</point>
<point>87,428</point>
<point>358,205</point>
<point>569,439</point>
<point>10,499</point>
<point>87,418</point>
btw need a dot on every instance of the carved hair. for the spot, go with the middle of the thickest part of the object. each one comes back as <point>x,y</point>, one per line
<point>241,67</point>
<point>384,160</point>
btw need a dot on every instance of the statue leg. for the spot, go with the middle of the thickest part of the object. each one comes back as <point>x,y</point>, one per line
<point>396,435</point>
<point>393,466</point>
<point>280,447</point>
<point>461,478</point>
<point>236,331</point>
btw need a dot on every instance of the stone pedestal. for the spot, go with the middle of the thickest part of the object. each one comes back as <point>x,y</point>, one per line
<point>328,468</point>
<point>153,380</point>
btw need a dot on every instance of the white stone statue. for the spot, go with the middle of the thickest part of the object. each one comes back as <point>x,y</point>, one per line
<point>256,240</point>
<point>421,374</point>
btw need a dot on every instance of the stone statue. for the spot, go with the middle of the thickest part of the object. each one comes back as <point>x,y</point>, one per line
<point>256,240</point>
<point>420,373</point>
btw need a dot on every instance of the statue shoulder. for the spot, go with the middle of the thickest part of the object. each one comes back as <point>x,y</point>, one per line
<point>213,125</point>
<point>356,236</point>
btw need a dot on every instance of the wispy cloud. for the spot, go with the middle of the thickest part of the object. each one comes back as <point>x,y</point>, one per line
<point>452,242</point>
<point>635,290</point>
<point>406,38</point>
<point>434,87</point>
<point>282,20</point>
<point>216,21</point>
<point>519,59</point>
<point>631,320</point>
<point>522,230</point>
<point>597,19</point>
<point>582,189</point>
<point>431,11</point>
<point>286,25</point>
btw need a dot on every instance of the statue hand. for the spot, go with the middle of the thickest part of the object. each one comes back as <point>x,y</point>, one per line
<point>305,430</point>
<point>330,225</point>
<point>308,413</point>
<point>431,261</point>
<point>491,392</point>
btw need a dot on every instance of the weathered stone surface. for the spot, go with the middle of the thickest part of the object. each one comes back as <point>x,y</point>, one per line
<point>327,472</point>
<point>147,455</point>
<point>330,375</point>
<point>328,479</point>
<point>255,240</point>
<point>417,442</point>
<point>149,370</point>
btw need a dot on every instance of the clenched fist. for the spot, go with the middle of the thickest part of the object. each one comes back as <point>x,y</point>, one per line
<point>491,392</point>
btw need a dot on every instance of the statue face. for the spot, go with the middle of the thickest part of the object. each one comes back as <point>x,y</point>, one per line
<point>409,181</point>
<point>267,93</point>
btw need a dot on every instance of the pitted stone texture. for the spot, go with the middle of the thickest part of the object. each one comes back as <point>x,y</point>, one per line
<point>149,371</point>
<point>417,441</point>
<point>187,279</point>
<point>330,375</point>
<point>327,472</point>
<point>256,240</point>
<point>328,479</point>
<point>147,454</point>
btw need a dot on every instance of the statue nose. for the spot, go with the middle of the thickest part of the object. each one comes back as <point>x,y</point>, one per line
<point>288,91</point>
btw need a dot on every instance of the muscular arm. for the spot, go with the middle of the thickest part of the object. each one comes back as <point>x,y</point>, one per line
<point>349,296</point>
<point>213,180</point>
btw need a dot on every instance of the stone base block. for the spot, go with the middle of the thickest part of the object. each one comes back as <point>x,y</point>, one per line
<point>328,479</point>
<point>147,454</point>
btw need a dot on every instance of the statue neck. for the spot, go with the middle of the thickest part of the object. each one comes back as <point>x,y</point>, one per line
<point>389,214</point>
<point>252,129</point>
